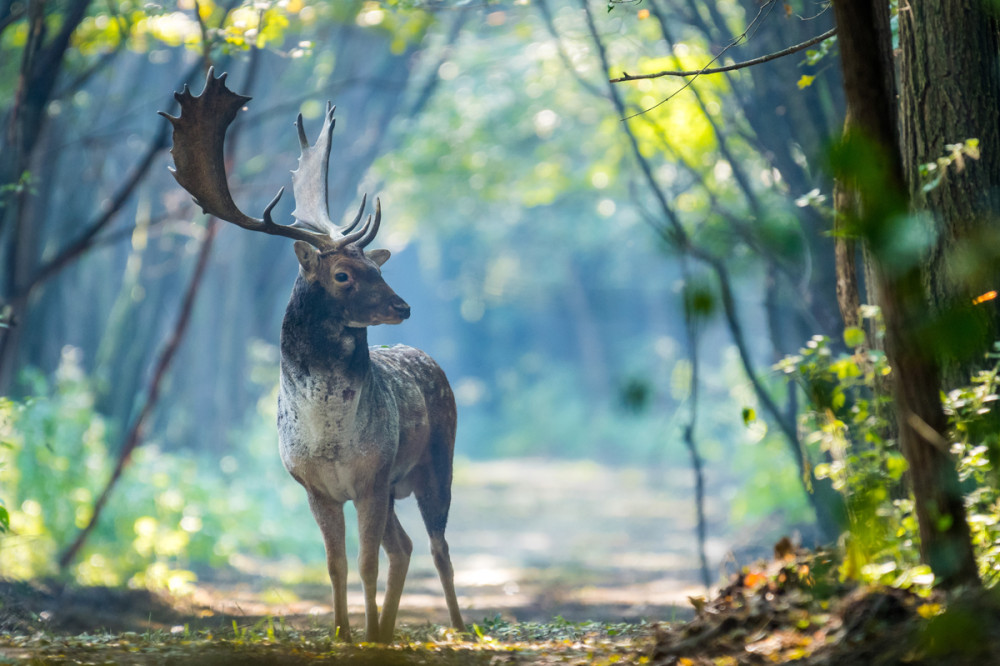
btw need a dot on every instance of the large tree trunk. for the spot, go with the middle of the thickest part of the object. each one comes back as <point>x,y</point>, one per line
<point>950,92</point>
<point>944,533</point>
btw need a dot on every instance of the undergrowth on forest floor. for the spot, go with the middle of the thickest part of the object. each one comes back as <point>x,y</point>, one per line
<point>270,641</point>
<point>797,608</point>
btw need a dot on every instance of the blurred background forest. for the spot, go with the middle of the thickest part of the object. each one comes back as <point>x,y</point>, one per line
<point>609,297</point>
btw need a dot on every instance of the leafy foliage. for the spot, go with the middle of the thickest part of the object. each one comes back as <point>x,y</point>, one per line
<point>172,513</point>
<point>933,173</point>
<point>972,412</point>
<point>852,441</point>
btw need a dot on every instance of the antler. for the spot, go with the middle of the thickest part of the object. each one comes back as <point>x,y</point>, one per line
<point>199,136</point>
<point>309,185</point>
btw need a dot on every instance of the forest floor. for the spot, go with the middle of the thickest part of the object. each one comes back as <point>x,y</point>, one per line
<point>555,563</point>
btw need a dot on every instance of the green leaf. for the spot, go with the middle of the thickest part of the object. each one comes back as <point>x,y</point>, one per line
<point>749,415</point>
<point>854,336</point>
<point>4,519</point>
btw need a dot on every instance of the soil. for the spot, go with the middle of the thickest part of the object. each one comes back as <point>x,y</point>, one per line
<point>531,540</point>
<point>555,559</point>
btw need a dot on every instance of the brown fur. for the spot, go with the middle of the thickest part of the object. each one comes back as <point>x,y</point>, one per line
<point>368,426</point>
<point>355,425</point>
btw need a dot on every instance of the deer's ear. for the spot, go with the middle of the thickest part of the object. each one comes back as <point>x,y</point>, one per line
<point>378,256</point>
<point>308,257</point>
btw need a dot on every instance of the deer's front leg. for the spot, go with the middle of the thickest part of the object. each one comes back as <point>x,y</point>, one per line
<point>329,516</point>
<point>373,510</point>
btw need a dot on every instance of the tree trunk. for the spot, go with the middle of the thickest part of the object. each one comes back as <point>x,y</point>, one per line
<point>944,533</point>
<point>950,92</point>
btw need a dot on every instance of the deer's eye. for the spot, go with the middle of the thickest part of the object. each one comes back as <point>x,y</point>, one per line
<point>341,277</point>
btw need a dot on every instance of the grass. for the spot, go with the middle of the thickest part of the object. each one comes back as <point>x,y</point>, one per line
<point>270,641</point>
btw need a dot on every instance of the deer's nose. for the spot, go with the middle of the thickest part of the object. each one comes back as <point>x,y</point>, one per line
<point>401,309</point>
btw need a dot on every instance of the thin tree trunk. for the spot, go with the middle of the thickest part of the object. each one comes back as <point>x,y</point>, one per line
<point>828,507</point>
<point>697,464</point>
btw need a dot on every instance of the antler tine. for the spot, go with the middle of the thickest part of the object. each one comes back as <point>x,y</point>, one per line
<point>357,218</point>
<point>199,137</point>
<point>363,236</point>
<point>370,236</point>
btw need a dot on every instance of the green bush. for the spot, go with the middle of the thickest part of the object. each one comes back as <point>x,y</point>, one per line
<point>170,514</point>
<point>851,440</point>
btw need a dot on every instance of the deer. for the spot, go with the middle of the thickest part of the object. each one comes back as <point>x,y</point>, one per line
<point>366,425</point>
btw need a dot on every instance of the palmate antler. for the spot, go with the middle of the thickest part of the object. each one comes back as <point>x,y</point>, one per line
<point>199,137</point>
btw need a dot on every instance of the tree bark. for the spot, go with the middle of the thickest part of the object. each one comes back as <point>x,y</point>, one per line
<point>944,533</point>
<point>950,92</point>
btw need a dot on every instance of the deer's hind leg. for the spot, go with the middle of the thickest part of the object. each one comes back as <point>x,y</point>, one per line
<point>433,492</point>
<point>329,516</point>
<point>398,547</point>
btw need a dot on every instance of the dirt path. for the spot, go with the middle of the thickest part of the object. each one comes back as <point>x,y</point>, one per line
<point>530,540</point>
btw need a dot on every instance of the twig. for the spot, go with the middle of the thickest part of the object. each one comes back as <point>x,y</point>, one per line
<point>764,10</point>
<point>728,68</point>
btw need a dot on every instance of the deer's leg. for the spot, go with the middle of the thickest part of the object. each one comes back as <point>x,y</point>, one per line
<point>329,516</point>
<point>434,499</point>
<point>398,547</point>
<point>373,511</point>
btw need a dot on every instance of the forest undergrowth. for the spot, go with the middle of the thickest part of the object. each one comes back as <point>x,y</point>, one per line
<point>794,608</point>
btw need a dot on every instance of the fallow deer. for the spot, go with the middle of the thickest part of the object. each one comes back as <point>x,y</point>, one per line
<point>354,424</point>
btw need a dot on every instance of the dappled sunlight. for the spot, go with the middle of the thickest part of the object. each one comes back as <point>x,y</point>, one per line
<point>713,286</point>
<point>530,539</point>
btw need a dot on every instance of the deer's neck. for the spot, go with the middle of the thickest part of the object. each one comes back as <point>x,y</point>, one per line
<point>315,341</point>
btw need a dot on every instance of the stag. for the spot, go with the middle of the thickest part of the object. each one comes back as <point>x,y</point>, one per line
<point>368,425</point>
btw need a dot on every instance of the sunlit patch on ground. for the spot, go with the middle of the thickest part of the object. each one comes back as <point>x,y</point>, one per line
<point>530,540</point>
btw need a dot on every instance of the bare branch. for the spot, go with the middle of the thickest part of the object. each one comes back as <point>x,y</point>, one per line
<point>89,237</point>
<point>137,432</point>
<point>10,13</point>
<point>674,233</point>
<point>728,68</point>
<point>764,11</point>
<point>546,12</point>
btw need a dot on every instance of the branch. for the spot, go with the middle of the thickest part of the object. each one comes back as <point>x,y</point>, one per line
<point>137,432</point>
<point>9,13</point>
<point>432,81</point>
<point>678,236</point>
<point>728,68</point>
<point>550,24</point>
<point>87,240</point>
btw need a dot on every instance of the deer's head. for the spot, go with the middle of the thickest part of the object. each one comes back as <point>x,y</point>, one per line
<point>329,255</point>
<point>353,279</point>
